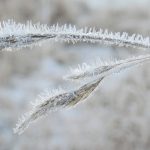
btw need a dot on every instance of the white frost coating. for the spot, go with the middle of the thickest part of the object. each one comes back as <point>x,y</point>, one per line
<point>55,102</point>
<point>10,28</point>
<point>102,69</point>
<point>17,35</point>
<point>46,94</point>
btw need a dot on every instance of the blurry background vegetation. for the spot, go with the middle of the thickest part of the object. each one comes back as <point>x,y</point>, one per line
<point>116,117</point>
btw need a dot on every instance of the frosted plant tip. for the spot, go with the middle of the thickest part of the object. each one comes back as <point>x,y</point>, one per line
<point>54,103</point>
<point>103,69</point>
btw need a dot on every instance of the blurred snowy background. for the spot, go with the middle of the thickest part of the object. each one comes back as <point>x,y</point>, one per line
<point>116,117</point>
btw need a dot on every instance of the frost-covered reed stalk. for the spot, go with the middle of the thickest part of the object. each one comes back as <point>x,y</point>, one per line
<point>56,102</point>
<point>16,35</point>
<point>103,69</point>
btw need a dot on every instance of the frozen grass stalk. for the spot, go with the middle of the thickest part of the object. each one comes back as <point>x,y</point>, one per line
<point>67,99</point>
<point>16,35</point>
<point>102,69</point>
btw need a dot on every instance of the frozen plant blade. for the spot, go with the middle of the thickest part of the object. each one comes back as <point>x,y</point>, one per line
<point>16,35</point>
<point>102,69</point>
<point>56,102</point>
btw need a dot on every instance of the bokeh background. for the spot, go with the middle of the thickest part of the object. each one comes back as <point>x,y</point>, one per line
<point>115,117</point>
